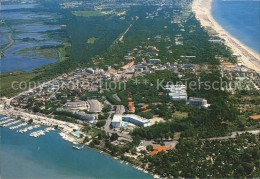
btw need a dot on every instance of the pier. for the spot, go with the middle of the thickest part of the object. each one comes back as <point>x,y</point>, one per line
<point>3,118</point>
<point>68,138</point>
<point>3,122</point>
<point>18,126</point>
<point>41,132</point>
<point>11,123</point>
<point>28,129</point>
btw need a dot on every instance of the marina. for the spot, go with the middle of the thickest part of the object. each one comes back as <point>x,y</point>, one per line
<point>28,129</point>
<point>52,151</point>
<point>4,122</point>
<point>11,123</point>
<point>3,118</point>
<point>18,126</point>
<point>68,138</point>
<point>41,132</point>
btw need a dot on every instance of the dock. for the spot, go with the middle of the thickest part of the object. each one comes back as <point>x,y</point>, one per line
<point>37,133</point>
<point>28,129</point>
<point>18,126</point>
<point>77,147</point>
<point>3,118</point>
<point>8,120</point>
<point>41,132</point>
<point>11,123</point>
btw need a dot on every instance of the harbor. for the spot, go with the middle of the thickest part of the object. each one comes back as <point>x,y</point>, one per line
<point>23,122</point>
<point>18,124</point>
<point>41,132</point>
<point>52,151</point>
<point>22,125</point>
<point>28,129</point>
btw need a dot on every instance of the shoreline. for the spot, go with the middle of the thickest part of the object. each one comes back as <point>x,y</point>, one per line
<point>97,149</point>
<point>249,58</point>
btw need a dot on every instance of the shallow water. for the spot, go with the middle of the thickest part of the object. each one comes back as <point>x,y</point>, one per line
<point>29,26</point>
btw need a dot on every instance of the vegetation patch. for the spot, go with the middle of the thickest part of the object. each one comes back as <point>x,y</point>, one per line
<point>91,40</point>
<point>91,13</point>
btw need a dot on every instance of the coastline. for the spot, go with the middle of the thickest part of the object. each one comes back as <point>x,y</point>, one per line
<point>65,135</point>
<point>46,157</point>
<point>249,58</point>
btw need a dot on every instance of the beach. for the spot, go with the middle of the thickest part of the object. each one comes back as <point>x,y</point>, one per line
<point>248,57</point>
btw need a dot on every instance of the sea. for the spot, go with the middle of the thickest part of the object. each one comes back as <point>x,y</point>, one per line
<point>49,156</point>
<point>241,18</point>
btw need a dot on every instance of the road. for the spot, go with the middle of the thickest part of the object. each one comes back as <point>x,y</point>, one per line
<point>234,135</point>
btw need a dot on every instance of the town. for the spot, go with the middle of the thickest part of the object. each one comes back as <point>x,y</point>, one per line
<point>156,92</point>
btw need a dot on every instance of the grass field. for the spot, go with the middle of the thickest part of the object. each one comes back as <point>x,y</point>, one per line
<point>180,115</point>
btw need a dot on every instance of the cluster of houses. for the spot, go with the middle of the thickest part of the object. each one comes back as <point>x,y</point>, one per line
<point>241,74</point>
<point>69,87</point>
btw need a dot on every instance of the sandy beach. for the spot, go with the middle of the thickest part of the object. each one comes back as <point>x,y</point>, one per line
<point>249,58</point>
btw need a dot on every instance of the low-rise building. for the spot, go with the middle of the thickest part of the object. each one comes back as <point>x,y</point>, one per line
<point>117,120</point>
<point>199,102</point>
<point>153,61</point>
<point>75,104</point>
<point>120,109</point>
<point>94,106</point>
<point>137,120</point>
<point>177,92</point>
<point>131,107</point>
<point>131,118</point>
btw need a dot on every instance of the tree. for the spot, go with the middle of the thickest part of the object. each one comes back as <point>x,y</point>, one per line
<point>149,147</point>
<point>106,108</point>
<point>101,123</point>
<point>86,139</point>
<point>114,136</point>
<point>30,121</point>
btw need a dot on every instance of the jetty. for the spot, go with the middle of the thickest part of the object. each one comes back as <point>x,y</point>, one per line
<point>18,126</point>
<point>28,129</point>
<point>77,147</point>
<point>8,120</point>
<point>3,118</point>
<point>41,132</point>
<point>68,138</point>
<point>11,123</point>
<point>37,133</point>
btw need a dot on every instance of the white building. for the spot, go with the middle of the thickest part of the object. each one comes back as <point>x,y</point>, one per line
<point>137,120</point>
<point>117,120</point>
<point>94,70</point>
<point>177,92</point>
<point>132,118</point>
